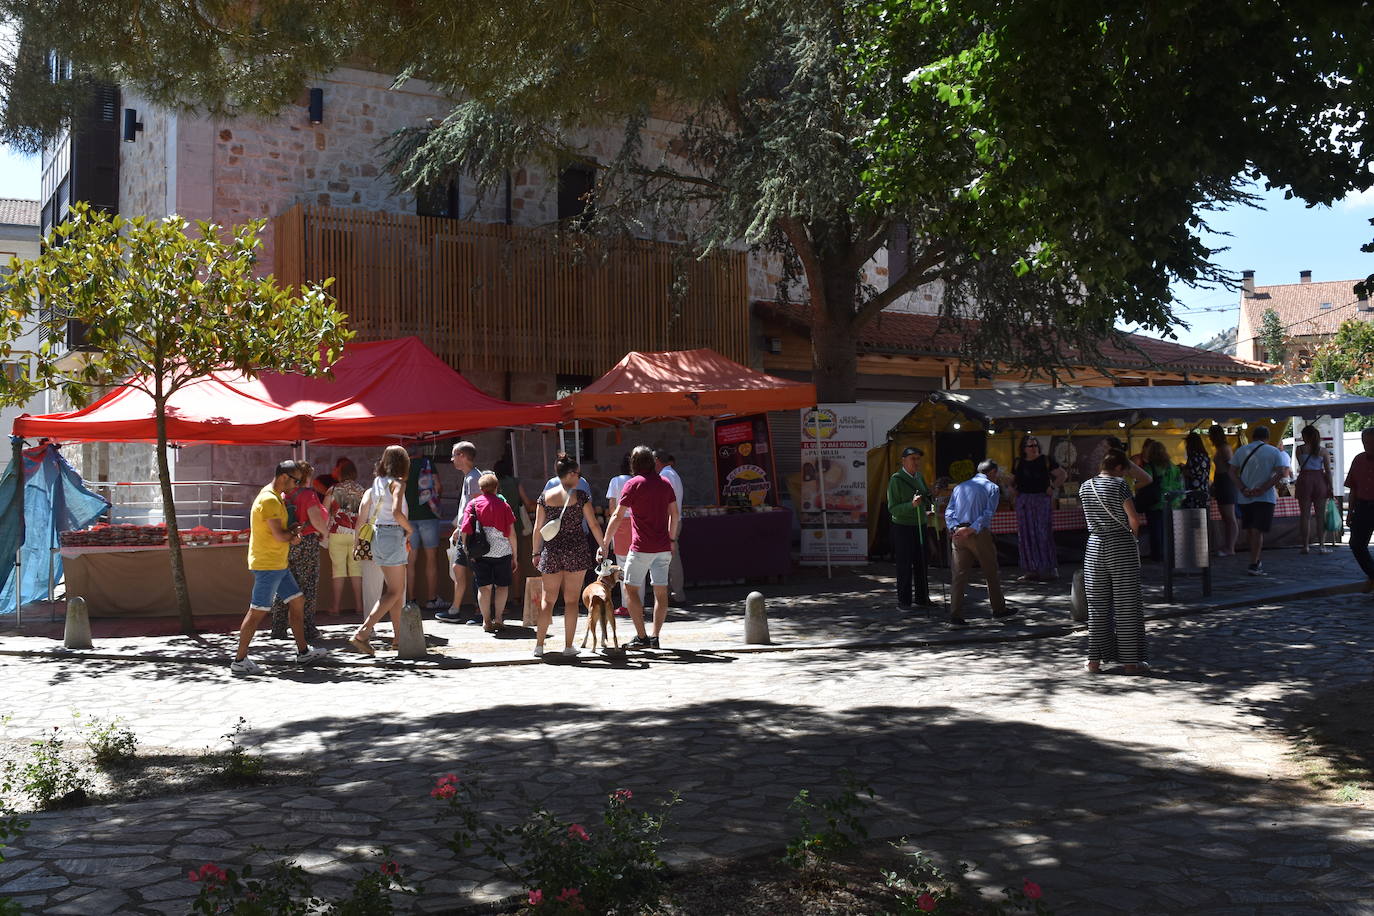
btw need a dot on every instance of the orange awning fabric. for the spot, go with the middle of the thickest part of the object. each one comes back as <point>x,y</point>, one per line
<point>682,383</point>
<point>381,392</point>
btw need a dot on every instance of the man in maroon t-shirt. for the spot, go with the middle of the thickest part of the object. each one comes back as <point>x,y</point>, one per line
<point>1360,514</point>
<point>654,525</point>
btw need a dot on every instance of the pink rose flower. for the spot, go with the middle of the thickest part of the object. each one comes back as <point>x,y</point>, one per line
<point>536,897</point>
<point>391,868</point>
<point>1032,890</point>
<point>925,902</point>
<point>578,832</point>
<point>622,795</point>
<point>568,894</point>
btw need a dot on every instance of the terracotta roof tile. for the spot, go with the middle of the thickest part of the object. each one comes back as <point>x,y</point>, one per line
<point>1299,306</point>
<point>903,333</point>
<point>14,212</point>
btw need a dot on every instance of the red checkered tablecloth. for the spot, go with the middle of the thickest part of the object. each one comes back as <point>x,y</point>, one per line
<point>1004,522</point>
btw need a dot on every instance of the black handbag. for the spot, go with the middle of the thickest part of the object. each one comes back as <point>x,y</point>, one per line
<point>476,543</point>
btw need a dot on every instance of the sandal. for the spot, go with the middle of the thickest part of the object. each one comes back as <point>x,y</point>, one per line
<point>1137,668</point>
<point>1092,667</point>
<point>360,643</point>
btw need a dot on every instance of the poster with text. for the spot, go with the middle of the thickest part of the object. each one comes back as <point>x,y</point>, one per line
<point>745,472</point>
<point>835,439</point>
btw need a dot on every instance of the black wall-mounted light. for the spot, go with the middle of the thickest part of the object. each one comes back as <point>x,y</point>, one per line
<point>316,106</point>
<point>774,345</point>
<point>132,125</point>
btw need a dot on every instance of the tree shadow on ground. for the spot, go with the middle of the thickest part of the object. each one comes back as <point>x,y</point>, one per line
<point>1120,826</point>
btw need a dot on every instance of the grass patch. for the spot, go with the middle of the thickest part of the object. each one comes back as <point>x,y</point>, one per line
<point>1333,733</point>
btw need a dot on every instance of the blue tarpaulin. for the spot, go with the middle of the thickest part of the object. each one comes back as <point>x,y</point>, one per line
<point>55,500</point>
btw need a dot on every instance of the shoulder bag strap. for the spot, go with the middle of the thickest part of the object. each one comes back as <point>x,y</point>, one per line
<point>1125,526</point>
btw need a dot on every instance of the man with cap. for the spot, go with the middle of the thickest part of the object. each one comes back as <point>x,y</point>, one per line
<point>909,504</point>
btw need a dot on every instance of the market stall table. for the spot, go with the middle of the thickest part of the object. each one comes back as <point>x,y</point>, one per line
<point>137,581</point>
<point>731,546</point>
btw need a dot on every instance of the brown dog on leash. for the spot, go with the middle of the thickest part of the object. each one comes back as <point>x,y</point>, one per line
<point>597,599</point>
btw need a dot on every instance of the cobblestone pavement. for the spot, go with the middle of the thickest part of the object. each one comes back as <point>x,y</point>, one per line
<point>1170,793</point>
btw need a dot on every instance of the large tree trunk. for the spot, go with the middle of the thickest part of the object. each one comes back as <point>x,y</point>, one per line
<point>169,513</point>
<point>835,335</point>
<point>835,359</point>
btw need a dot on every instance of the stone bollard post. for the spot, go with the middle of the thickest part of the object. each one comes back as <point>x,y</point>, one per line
<point>755,620</point>
<point>1078,599</point>
<point>410,636</point>
<point>77,633</point>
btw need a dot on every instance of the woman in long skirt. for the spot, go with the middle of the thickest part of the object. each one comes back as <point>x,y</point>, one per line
<point>1111,569</point>
<point>1035,476</point>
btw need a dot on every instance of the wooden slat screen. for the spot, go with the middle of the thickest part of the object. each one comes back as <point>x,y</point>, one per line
<point>487,296</point>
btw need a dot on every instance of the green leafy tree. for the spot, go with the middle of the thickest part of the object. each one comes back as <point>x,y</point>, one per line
<point>1273,338</point>
<point>1049,164</point>
<point>1348,358</point>
<point>162,307</point>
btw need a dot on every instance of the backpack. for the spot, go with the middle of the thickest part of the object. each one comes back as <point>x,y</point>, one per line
<point>476,544</point>
<point>427,483</point>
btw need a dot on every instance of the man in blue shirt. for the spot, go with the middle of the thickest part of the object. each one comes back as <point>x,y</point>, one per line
<point>1257,469</point>
<point>969,517</point>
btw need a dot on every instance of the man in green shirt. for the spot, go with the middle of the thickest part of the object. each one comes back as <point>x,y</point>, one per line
<point>909,504</point>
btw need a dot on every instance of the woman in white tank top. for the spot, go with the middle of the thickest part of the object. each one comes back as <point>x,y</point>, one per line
<point>385,507</point>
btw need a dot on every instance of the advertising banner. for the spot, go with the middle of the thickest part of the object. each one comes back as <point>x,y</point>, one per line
<point>835,439</point>
<point>745,472</point>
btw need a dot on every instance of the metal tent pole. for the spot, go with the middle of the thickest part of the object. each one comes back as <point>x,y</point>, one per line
<point>17,447</point>
<point>820,474</point>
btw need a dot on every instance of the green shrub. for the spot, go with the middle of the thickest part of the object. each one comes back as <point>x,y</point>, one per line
<point>841,829</point>
<point>49,778</point>
<point>111,743</point>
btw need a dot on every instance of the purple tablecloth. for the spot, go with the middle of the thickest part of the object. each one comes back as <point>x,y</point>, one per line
<point>745,545</point>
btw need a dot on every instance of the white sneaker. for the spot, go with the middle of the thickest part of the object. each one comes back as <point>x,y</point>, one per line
<point>538,651</point>
<point>245,666</point>
<point>570,652</point>
<point>310,656</point>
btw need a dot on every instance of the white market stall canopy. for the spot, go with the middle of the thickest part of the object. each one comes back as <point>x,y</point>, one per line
<point>1078,406</point>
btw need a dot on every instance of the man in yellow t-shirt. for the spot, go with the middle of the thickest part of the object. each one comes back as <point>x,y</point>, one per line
<point>269,544</point>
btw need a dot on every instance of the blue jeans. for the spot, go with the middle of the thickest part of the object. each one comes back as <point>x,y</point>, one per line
<point>269,584</point>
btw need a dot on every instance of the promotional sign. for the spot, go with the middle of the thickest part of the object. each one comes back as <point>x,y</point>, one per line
<point>745,472</point>
<point>835,439</point>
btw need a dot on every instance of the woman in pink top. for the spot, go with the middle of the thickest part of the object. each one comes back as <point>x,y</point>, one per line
<point>492,571</point>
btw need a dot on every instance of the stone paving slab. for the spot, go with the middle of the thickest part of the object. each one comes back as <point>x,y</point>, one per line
<point>1172,793</point>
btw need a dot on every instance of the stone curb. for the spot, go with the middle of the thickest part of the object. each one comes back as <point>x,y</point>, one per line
<point>440,663</point>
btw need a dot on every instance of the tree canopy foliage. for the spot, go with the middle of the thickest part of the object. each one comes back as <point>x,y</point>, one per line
<point>1348,358</point>
<point>1051,163</point>
<point>161,307</point>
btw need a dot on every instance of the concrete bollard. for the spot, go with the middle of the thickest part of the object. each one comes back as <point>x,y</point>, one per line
<point>410,636</point>
<point>77,633</point>
<point>1078,598</point>
<point>755,620</point>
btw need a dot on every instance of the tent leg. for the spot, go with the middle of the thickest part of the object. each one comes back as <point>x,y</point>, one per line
<point>825,516</point>
<point>17,447</point>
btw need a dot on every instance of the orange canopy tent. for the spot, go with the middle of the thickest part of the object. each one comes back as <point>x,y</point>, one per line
<point>682,383</point>
<point>382,391</point>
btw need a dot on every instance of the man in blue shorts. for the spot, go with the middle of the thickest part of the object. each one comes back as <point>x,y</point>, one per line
<point>269,544</point>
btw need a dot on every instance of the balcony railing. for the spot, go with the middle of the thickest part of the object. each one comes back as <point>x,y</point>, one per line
<point>487,296</point>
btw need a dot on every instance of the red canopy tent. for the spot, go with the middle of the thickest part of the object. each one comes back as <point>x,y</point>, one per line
<point>384,391</point>
<point>682,383</point>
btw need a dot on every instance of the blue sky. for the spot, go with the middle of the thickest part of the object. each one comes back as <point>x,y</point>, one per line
<point>1284,237</point>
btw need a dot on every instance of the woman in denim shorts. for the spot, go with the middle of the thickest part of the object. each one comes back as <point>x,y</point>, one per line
<point>385,506</point>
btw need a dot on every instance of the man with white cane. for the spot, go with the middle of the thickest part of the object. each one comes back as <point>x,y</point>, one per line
<point>908,502</point>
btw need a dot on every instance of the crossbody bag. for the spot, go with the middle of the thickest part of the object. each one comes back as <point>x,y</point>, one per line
<point>1124,524</point>
<point>362,543</point>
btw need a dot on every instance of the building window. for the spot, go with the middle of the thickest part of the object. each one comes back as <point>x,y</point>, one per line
<point>576,184</point>
<point>14,371</point>
<point>438,200</point>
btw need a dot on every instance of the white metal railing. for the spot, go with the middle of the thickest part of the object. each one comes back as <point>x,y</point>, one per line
<point>219,504</point>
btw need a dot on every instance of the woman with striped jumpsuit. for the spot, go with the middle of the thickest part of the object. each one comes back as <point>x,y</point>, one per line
<point>1111,569</point>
